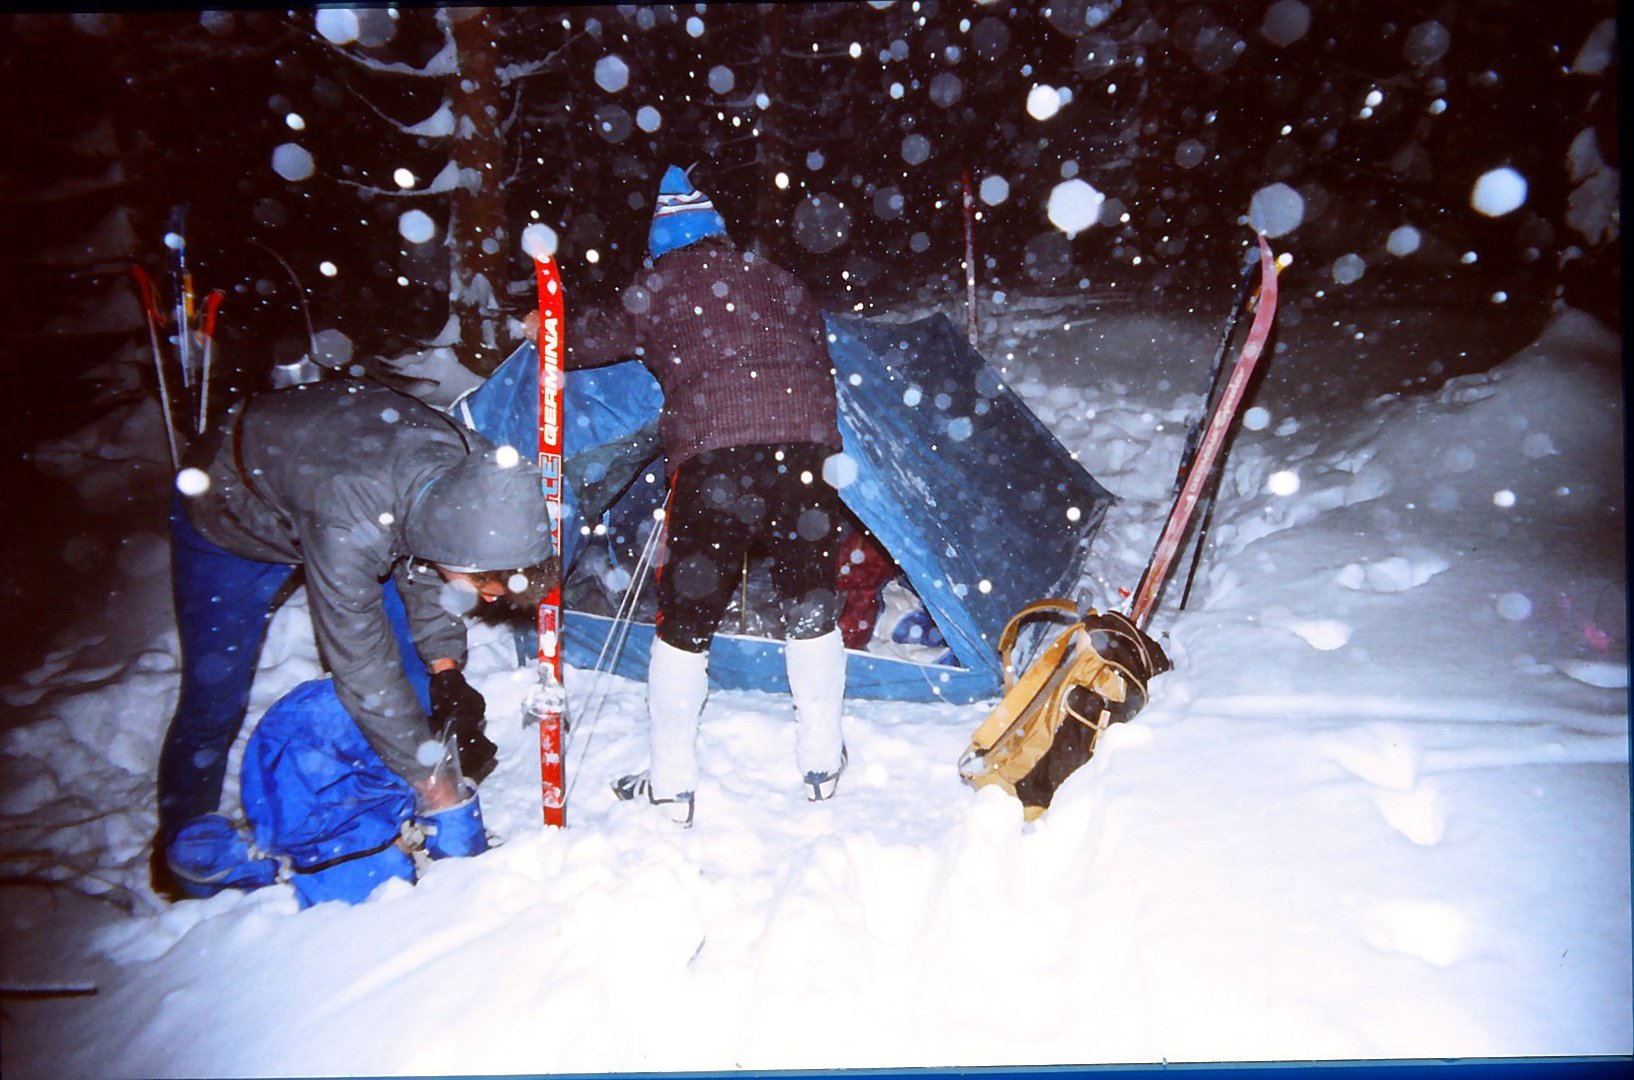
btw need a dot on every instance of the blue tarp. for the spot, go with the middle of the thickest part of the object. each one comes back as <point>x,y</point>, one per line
<point>977,502</point>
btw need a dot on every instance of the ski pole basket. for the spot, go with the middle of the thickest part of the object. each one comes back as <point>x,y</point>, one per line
<point>1091,675</point>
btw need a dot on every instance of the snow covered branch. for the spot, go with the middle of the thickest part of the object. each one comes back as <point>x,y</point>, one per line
<point>440,66</point>
<point>451,178</point>
<point>514,72</point>
<point>446,62</point>
<point>439,124</point>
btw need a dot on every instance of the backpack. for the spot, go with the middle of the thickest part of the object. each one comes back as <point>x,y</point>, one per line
<point>1091,675</point>
<point>323,812</point>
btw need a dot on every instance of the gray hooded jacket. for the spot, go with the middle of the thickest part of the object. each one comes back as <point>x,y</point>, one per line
<point>352,481</point>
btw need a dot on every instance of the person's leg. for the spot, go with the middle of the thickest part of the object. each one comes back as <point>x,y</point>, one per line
<point>677,685</point>
<point>816,669</point>
<point>704,548</point>
<point>803,541</point>
<point>713,514</point>
<point>223,604</point>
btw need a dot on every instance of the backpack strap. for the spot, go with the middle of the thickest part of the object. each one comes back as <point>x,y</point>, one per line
<point>1007,640</point>
<point>1140,658</point>
<point>1019,693</point>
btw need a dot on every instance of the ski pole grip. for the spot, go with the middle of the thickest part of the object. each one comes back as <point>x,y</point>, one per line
<point>144,285</point>
<point>212,304</point>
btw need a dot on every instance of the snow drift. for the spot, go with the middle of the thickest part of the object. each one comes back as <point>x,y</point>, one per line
<point>1380,808</point>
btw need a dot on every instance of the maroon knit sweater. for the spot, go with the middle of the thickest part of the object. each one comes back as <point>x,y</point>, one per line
<point>736,342</point>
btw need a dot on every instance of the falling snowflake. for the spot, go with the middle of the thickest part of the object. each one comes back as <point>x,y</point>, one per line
<point>1499,192</point>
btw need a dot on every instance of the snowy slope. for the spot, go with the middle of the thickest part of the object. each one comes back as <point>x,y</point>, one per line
<point>1380,808</point>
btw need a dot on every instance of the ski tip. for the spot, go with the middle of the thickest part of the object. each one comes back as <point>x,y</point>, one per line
<point>540,242</point>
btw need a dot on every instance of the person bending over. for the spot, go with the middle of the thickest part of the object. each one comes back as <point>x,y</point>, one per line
<point>364,490</point>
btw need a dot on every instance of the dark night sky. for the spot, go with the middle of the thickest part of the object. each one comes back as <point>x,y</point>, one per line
<point>1178,114</point>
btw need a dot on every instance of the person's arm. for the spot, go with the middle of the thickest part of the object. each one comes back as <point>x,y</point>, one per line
<point>457,707</point>
<point>343,569</point>
<point>438,633</point>
<point>596,336</point>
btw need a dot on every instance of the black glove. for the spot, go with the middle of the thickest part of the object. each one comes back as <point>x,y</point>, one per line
<point>456,707</point>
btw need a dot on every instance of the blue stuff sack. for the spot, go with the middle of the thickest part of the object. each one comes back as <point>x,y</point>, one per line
<point>352,880</point>
<point>210,853</point>
<point>318,795</point>
<point>457,831</point>
<point>324,811</point>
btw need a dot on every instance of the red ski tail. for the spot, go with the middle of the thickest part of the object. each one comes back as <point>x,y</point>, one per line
<point>552,344</point>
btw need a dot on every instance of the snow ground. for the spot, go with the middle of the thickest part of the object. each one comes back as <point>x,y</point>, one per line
<point>1379,810</point>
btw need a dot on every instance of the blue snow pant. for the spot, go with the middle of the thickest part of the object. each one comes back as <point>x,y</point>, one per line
<point>223,605</point>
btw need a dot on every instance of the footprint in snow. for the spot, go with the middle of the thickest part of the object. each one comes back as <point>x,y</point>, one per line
<point>1597,673</point>
<point>1382,754</point>
<point>1385,756</point>
<point>1434,932</point>
<point>1415,814</point>
<point>1324,634</point>
<point>1395,574</point>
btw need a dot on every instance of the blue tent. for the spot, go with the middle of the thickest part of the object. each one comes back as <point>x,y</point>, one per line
<point>975,500</point>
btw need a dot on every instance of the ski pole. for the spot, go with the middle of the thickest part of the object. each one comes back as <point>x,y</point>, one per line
<point>181,284</point>
<point>300,296</point>
<point>1211,499</point>
<point>1239,300</point>
<point>144,285</point>
<point>207,328</point>
<point>970,258</point>
<point>612,646</point>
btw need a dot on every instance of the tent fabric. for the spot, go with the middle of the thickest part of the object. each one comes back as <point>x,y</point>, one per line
<point>973,497</point>
<point>977,502</point>
<point>600,406</point>
<point>738,662</point>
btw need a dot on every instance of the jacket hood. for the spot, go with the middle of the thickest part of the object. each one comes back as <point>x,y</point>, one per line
<point>487,511</point>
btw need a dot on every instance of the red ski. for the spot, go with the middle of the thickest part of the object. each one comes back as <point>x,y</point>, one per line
<point>1208,452</point>
<point>553,703</point>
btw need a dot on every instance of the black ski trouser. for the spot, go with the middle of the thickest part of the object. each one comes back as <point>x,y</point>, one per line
<point>750,501</point>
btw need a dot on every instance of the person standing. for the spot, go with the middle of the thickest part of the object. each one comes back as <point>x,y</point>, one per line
<point>749,420</point>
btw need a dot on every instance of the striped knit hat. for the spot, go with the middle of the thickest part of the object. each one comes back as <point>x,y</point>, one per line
<point>684,215</point>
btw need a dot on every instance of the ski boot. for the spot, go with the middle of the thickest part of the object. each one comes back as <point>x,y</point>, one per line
<point>678,807</point>
<point>821,785</point>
